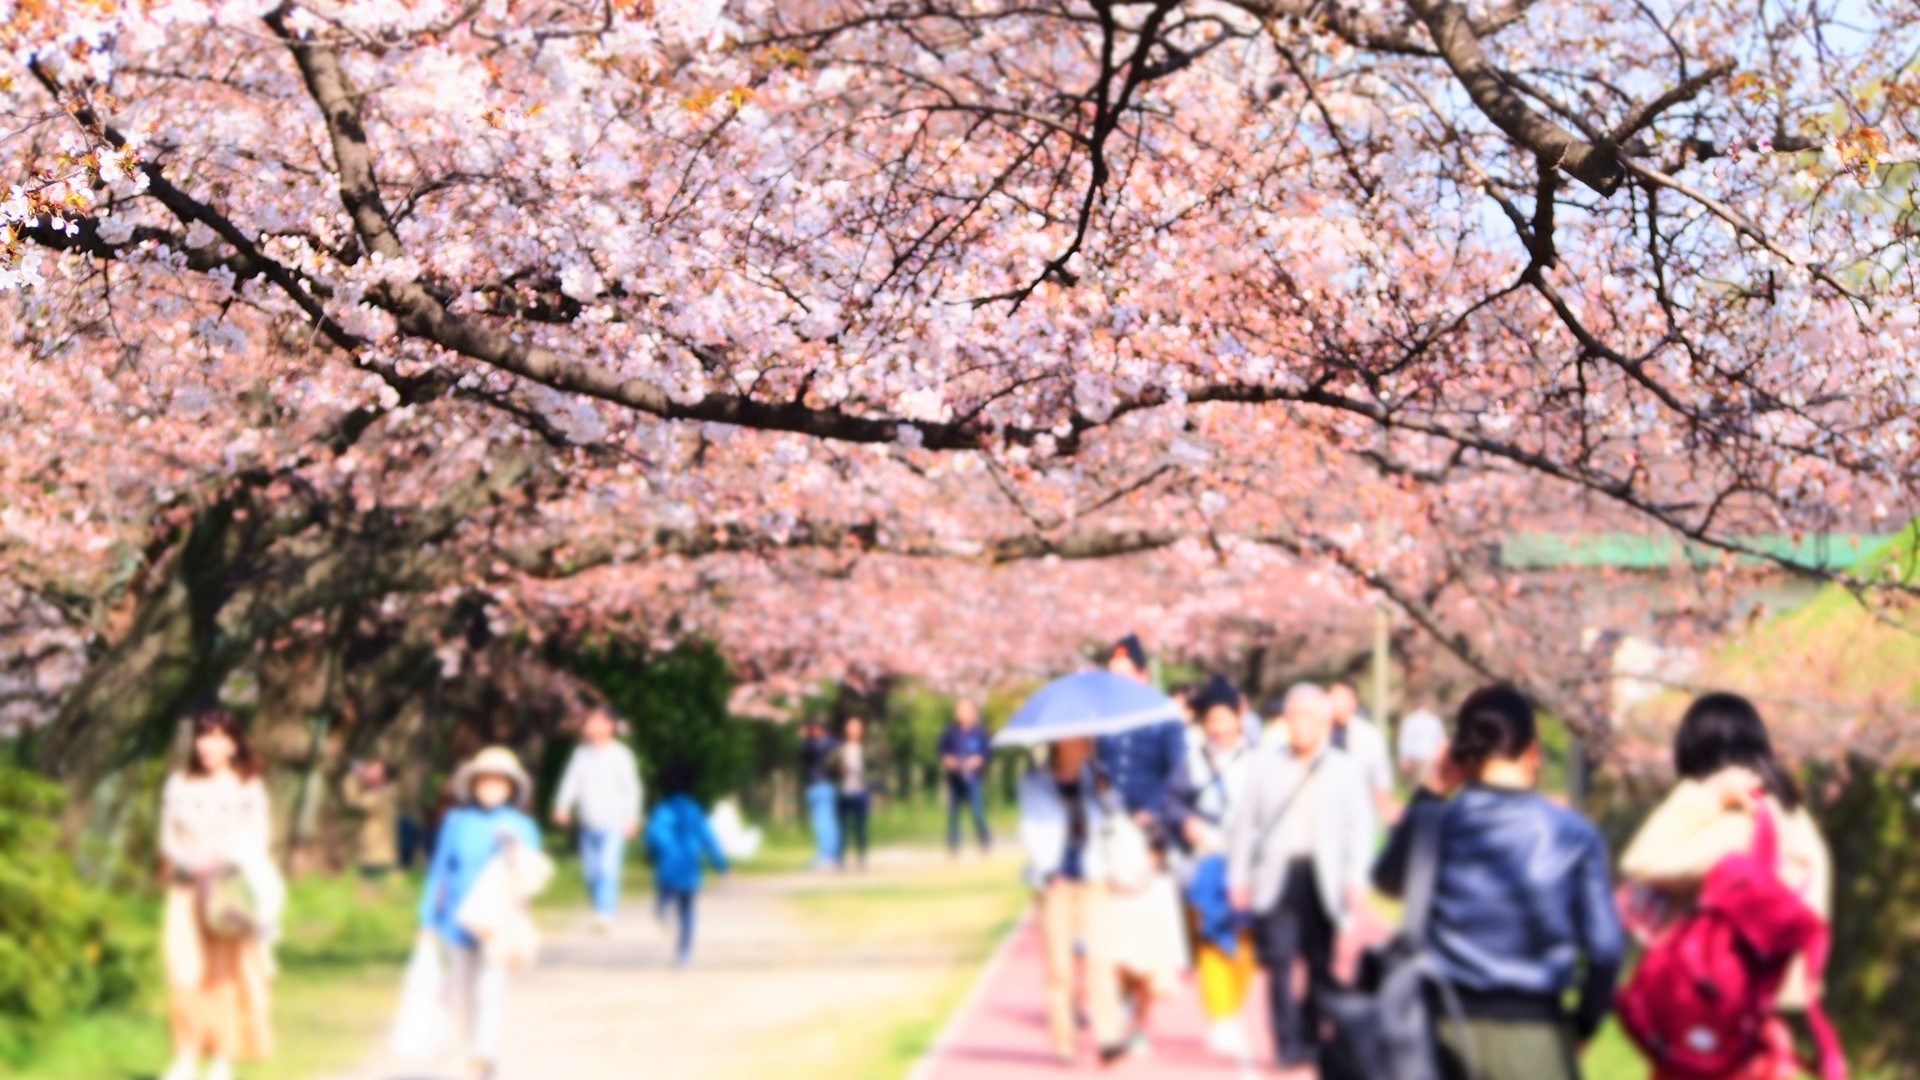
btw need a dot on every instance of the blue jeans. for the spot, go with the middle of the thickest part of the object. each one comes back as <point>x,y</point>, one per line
<point>602,857</point>
<point>823,813</point>
<point>970,792</point>
<point>679,901</point>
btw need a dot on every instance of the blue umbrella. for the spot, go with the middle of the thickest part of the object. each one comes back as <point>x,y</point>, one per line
<point>1090,703</point>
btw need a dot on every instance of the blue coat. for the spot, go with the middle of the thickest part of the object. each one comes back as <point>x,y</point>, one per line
<point>681,843</point>
<point>962,743</point>
<point>469,837</point>
<point>1523,903</point>
<point>1141,763</point>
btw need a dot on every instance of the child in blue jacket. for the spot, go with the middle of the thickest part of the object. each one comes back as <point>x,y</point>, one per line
<point>681,843</point>
<point>493,791</point>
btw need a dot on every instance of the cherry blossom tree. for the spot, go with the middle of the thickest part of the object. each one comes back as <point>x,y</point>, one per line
<point>787,323</point>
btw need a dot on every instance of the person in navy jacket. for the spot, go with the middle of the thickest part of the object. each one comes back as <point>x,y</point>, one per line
<point>964,751</point>
<point>1523,909</point>
<point>1140,764</point>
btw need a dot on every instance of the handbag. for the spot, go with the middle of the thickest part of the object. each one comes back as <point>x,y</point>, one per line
<point>1384,1028</point>
<point>228,907</point>
<point>495,909</point>
<point>1128,853</point>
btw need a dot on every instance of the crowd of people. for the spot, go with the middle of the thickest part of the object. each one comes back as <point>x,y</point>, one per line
<point>1283,836</point>
<point>1220,844</point>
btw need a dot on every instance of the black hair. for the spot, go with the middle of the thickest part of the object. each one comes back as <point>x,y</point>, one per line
<point>679,778</point>
<point>1131,646</point>
<point>1219,691</point>
<point>1722,730</point>
<point>1494,722</point>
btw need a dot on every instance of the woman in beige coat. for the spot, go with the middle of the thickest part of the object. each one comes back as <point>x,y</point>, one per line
<point>1728,773</point>
<point>214,832</point>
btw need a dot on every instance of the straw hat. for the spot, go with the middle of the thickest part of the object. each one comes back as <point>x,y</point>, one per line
<point>493,761</point>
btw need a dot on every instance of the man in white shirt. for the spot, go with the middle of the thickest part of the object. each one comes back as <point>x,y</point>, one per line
<point>1423,738</point>
<point>601,789</point>
<point>1363,742</point>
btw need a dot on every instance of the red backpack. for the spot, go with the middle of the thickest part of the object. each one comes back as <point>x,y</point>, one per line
<point>1699,1003</point>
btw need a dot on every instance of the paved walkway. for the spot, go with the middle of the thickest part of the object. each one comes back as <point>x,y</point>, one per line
<point>1001,1032</point>
<point>793,975</point>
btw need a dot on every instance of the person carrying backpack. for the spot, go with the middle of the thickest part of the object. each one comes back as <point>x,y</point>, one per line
<point>1522,905</point>
<point>1731,883</point>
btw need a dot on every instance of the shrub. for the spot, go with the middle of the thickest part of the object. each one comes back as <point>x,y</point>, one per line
<point>675,704</point>
<point>61,950</point>
<point>1871,818</point>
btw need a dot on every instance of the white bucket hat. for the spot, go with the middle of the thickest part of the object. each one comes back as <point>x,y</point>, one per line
<point>493,761</point>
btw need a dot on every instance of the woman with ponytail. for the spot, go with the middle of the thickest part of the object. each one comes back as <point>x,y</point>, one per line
<point>1523,908</point>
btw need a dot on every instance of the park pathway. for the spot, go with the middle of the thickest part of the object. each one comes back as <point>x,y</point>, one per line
<point>1001,1030</point>
<point>796,975</point>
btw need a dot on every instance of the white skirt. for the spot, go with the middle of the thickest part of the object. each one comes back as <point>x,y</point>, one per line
<point>1150,932</point>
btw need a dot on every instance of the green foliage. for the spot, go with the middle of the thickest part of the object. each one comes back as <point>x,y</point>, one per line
<point>1871,815</point>
<point>912,723</point>
<point>344,922</point>
<point>61,953</point>
<point>675,705</point>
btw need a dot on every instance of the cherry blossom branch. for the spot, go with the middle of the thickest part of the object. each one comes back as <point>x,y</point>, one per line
<point>1746,227</point>
<point>420,314</point>
<point>189,210</point>
<point>1493,95</point>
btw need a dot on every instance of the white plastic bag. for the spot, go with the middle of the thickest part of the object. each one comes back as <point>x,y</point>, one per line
<point>420,1030</point>
<point>495,910</point>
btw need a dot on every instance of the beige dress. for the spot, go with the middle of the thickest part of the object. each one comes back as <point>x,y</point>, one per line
<point>217,992</point>
<point>1692,831</point>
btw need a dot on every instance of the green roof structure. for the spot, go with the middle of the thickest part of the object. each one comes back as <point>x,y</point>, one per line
<point>1635,551</point>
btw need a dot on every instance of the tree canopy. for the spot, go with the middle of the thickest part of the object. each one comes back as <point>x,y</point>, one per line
<point>849,335</point>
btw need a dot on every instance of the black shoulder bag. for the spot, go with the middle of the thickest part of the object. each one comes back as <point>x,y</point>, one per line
<point>1384,1029</point>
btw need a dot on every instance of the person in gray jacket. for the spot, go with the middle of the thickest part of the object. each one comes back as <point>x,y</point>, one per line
<point>1300,846</point>
<point>601,790</point>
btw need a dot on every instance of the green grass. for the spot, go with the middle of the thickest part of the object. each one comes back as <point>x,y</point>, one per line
<point>341,952</point>
<point>1835,654</point>
<point>1613,1057</point>
<point>916,823</point>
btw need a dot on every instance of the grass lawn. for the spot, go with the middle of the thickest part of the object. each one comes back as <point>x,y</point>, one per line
<point>342,950</point>
<point>916,823</point>
<point>1613,1057</point>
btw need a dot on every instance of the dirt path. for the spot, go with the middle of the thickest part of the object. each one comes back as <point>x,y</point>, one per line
<point>794,976</point>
